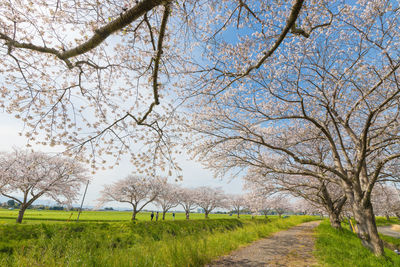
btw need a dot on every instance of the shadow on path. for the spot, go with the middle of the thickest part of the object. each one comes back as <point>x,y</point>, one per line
<point>389,230</point>
<point>292,247</point>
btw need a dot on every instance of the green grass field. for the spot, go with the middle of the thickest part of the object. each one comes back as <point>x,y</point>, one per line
<point>140,243</point>
<point>38,216</point>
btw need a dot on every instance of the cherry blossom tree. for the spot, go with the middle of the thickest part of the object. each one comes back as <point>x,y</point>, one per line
<point>396,208</point>
<point>258,203</point>
<point>72,87</point>
<point>209,198</point>
<point>266,203</point>
<point>280,203</point>
<point>187,199</point>
<point>135,190</point>
<point>337,88</point>
<point>36,174</point>
<point>101,77</point>
<point>306,207</point>
<point>385,200</point>
<point>167,198</point>
<point>322,193</point>
<point>236,203</point>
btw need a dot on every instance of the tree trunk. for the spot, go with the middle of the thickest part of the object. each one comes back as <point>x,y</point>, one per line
<point>206,214</point>
<point>364,217</point>
<point>387,217</point>
<point>163,215</point>
<point>366,227</point>
<point>238,214</point>
<point>21,213</point>
<point>134,215</point>
<point>334,208</point>
<point>187,215</point>
<point>335,220</point>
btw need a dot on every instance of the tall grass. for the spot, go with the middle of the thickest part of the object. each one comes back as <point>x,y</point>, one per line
<point>169,243</point>
<point>343,248</point>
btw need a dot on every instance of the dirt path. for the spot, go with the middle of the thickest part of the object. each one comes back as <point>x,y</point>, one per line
<point>392,230</point>
<point>292,247</point>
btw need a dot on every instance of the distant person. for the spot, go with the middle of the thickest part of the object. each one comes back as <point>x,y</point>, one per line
<point>152,215</point>
<point>157,216</point>
<point>173,216</point>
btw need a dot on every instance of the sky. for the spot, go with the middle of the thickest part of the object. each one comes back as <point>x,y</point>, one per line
<point>194,174</point>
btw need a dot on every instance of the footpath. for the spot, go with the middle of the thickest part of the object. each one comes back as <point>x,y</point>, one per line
<point>292,247</point>
<point>391,230</point>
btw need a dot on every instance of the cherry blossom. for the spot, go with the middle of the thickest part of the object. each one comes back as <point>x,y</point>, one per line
<point>187,199</point>
<point>136,190</point>
<point>209,198</point>
<point>36,174</point>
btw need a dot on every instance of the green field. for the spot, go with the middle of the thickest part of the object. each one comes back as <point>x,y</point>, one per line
<point>105,240</point>
<point>38,216</point>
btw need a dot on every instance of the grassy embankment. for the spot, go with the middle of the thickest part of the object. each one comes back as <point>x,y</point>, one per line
<point>343,248</point>
<point>168,243</point>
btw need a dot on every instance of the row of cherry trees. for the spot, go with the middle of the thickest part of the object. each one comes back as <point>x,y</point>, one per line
<point>26,176</point>
<point>35,174</point>
<point>138,191</point>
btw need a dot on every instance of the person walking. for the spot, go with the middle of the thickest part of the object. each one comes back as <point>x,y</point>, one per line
<point>157,216</point>
<point>152,215</point>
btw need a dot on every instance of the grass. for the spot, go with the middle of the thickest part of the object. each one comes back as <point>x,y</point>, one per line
<point>343,248</point>
<point>39,216</point>
<point>167,243</point>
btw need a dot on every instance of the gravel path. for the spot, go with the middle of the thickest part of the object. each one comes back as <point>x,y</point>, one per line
<point>389,230</point>
<point>292,247</point>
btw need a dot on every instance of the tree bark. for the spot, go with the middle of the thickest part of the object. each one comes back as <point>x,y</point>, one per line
<point>335,220</point>
<point>21,213</point>
<point>206,214</point>
<point>134,214</point>
<point>187,215</point>
<point>365,219</point>
<point>334,208</point>
<point>163,215</point>
<point>367,230</point>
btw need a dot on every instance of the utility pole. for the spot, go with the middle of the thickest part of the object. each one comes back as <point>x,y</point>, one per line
<point>83,199</point>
